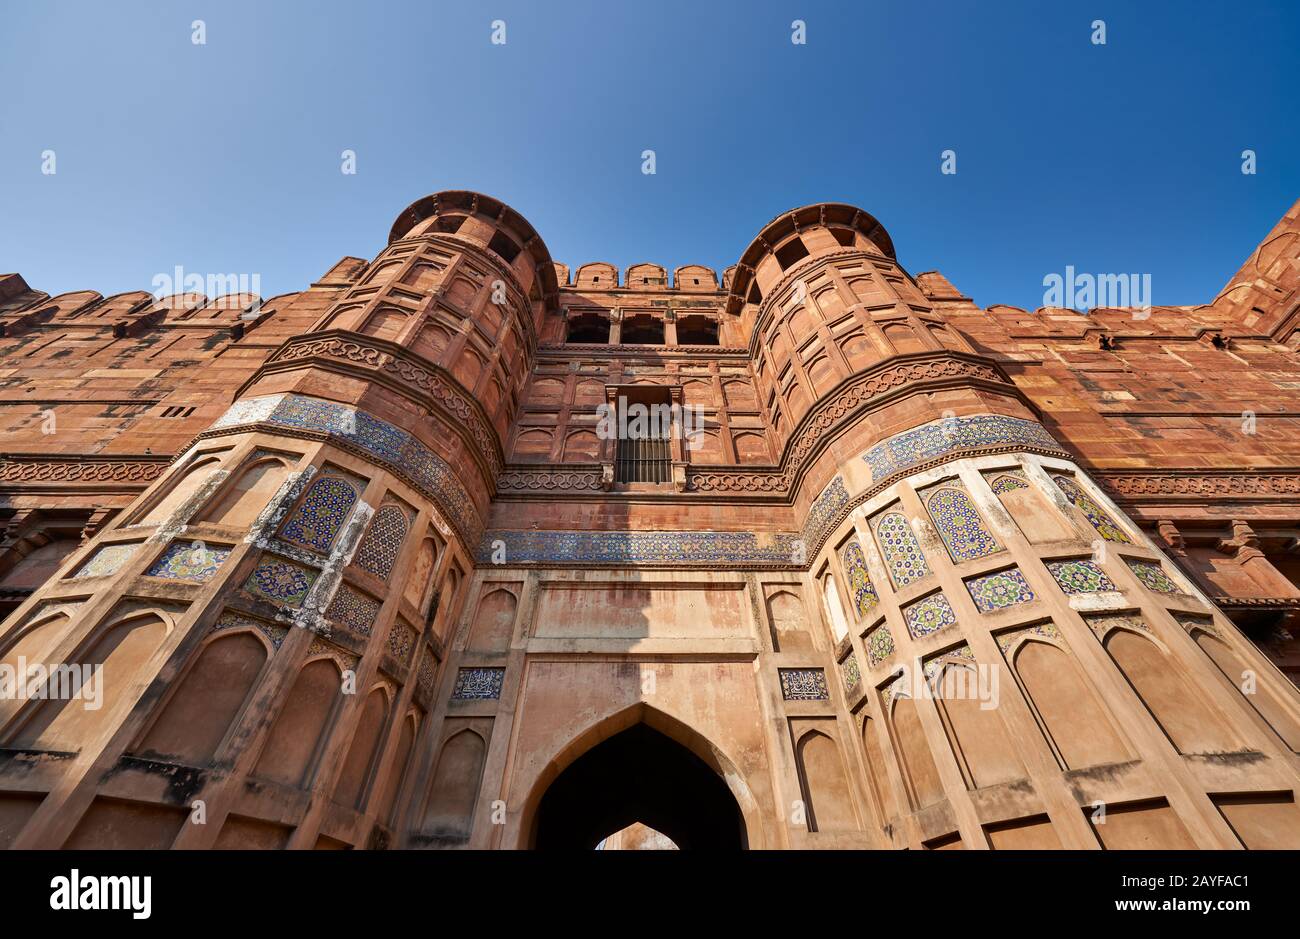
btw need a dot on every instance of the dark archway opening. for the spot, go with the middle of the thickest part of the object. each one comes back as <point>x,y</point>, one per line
<point>639,775</point>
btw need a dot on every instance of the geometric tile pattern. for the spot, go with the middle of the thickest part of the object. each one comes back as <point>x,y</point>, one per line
<point>824,511</point>
<point>902,553</point>
<point>779,549</point>
<point>999,591</point>
<point>191,561</point>
<point>855,567</point>
<point>353,609</point>
<point>803,684</point>
<point>427,671</point>
<point>1080,576</point>
<point>383,442</point>
<point>1008,482</point>
<point>960,525</point>
<point>401,640</point>
<point>283,581</point>
<point>929,615</point>
<point>1104,524</point>
<point>383,541</point>
<point>107,560</point>
<point>880,645</point>
<point>932,666</point>
<point>951,434</point>
<point>850,673</point>
<point>321,514</point>
<point>478,684</point>
<point>233,620</point>
<point>1153,576</point>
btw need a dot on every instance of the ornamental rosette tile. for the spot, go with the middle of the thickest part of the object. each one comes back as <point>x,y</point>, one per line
<point>994,592</point>
<point>929,615</point>
<point>1080,577</point>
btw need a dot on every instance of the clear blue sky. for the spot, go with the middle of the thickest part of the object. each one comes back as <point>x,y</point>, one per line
<point>225,157</point>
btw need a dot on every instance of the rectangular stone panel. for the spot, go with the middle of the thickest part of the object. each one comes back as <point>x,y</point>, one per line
<point>628,611</point>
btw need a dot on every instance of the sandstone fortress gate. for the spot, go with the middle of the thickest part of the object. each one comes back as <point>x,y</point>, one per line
<point>361,572</point>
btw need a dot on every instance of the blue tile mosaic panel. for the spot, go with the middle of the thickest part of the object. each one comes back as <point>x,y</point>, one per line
<point>1008,482</point>
<point>880,645</point>
<point>107,560</point>
<point>825,512</point>
<point>960,526</point>
<point>353,609</point>
<point>779,549</point>
<point>401,642</point>
<point>855,568</point>
<point>850,673</point>
<point>383,442</point>
<point>998,591</point>
<point>921,444</point>
<point>317,519</point>
<point>280,580</point>
<point>478,684</point>
<point>803,684</point>
<point>191,561</point>
<point>1152,576</point>
<point>383,541</point>
<point>1080,576</point>
<point>1096,515</point>
<point>903,555</point>
<point>929,615</point>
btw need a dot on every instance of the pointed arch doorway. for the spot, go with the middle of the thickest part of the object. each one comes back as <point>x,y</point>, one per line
<point>638,774</point>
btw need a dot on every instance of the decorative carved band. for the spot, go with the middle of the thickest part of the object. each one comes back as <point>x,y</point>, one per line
<point>365,436</point>
<point>31,470</point>
<point>870,387</point>
<point>549,480</point>
<point>1195,486</point>
<point>414,377</point>
<point>1267,603</point>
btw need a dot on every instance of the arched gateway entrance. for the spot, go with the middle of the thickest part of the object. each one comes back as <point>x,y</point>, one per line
<point>638,775</point>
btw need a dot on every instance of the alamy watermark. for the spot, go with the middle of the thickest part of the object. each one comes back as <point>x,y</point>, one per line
<point>637,421</point>
<point>65,682</point>
<point>222,290</point>
<point>1082,292</point>
<point>959,681</point>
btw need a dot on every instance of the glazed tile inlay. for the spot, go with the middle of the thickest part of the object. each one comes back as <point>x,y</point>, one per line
<point>353,609</point>
<point>320,514</point>
<point>478,684</point>
<point>998,591</point>
<point>855,568</point>
<point>1096,515</point>
<point>383,442</point>
<point>383,541</point>
<point>280,580</point>
<point>959,525</point>
<point>880,645</point>
<point>107,560</point>
<point>903,555</point>
<point>191,561</point>
<point>929,615</point>
<point>803,684</point>
<point>1008,482</point>
<point>1080,576</point>
<point>950,435</point>
<point>1153,576</point>
<point>779,549</point>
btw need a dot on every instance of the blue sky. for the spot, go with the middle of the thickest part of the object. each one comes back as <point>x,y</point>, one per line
<point>225,157</point>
